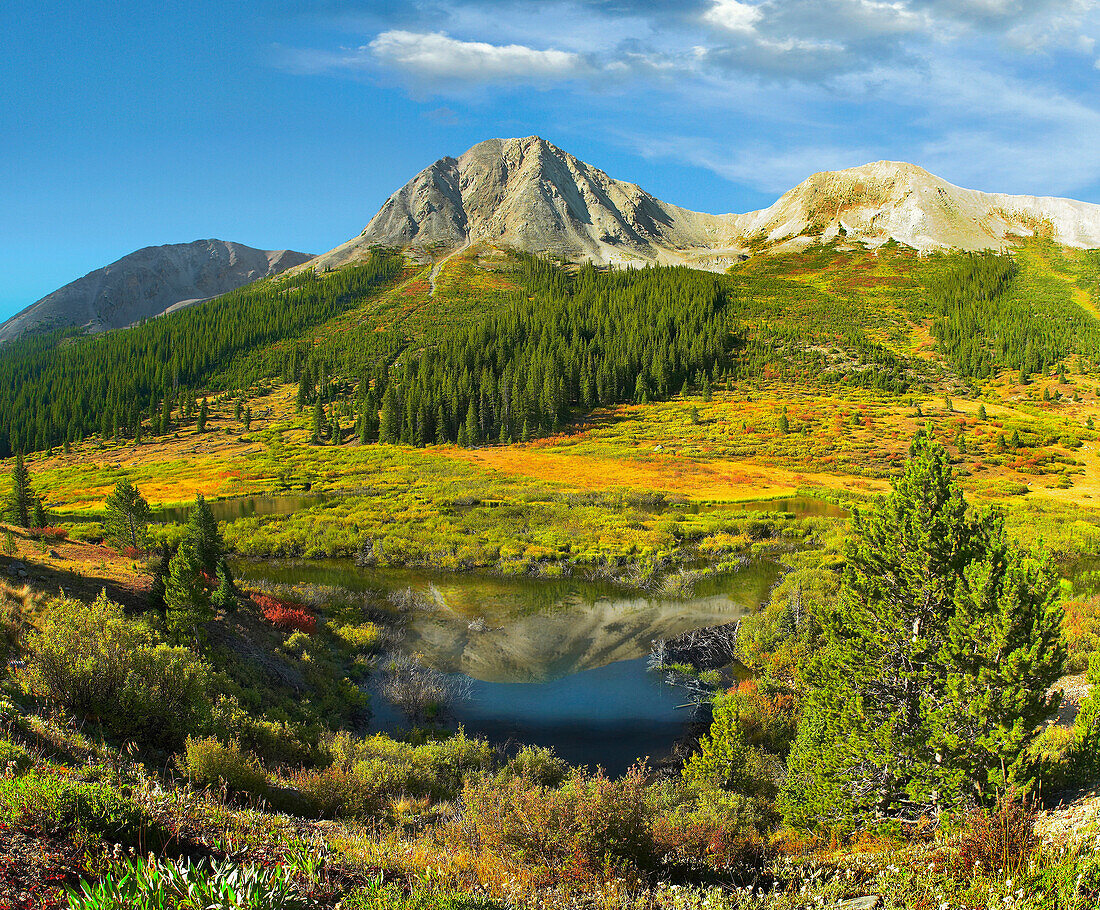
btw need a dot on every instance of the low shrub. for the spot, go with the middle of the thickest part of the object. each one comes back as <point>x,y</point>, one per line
<point>54,805</point>
<point>379,895</point>
<point>94,661</point>
<point>335,792</point>
<point>14,759</point>
<point>367,775</point>
<point>1001,838</point>
<point>536,765</point>
<point>208,762</point>
<point>575,830</point>
<point>365,637</point>
<point>48,533</point>
<point>285,615</point>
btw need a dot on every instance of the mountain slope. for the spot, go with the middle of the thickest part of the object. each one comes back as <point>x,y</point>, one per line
<point>149,282</point>
<point>531,195</point>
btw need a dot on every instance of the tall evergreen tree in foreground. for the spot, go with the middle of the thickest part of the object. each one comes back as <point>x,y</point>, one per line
<point>127,517</point>
<point>937,662</point>
<point>186,605</point>
<point>203,538</point>
<point>20,502</point>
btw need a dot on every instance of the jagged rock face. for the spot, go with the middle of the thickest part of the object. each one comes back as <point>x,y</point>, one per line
<point>149,282</point>
<point>531,195</point>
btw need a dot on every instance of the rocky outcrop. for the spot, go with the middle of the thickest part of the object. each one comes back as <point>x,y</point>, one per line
<point>531,195</point>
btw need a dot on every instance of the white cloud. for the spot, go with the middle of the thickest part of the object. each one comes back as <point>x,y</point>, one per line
<point>733,16</point>
<point>435,56</point>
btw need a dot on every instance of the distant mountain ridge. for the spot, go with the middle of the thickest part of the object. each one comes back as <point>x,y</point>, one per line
<point>531,195</point>
<point>149,282</point>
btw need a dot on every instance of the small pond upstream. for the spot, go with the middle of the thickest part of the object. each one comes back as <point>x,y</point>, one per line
<point>560,663</point>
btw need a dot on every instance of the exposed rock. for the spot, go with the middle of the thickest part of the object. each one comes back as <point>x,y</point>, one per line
<point>871,902</point>
<point>149,282</point>
<point>531,195</point>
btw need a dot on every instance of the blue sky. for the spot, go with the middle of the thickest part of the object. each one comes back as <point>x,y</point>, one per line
<point>286,124</point>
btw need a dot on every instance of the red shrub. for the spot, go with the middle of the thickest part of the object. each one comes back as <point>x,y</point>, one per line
<point>48,533</point>
<point>285,614</point>
<point>132,552</point>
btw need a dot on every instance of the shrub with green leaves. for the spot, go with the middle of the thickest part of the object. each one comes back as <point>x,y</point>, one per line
<point>99,664</point>
<point>55,805</point>
<point>208,762</point>
<point>13,758</point>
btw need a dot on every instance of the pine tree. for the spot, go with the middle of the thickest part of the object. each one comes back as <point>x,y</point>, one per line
<point>473,433</point>
<point>186,606</point>
<point>247,418</point>
<point>389,422</point>
<point>981,412</point>
<point>318,423</point>
<point>127,516</point>
<point>203,538</point>
<point>937,661</point>
<point>19,504</point>
<point>38,513</point>
<point>225,597</point>
<point>204,415</point>
<point>784,424</point>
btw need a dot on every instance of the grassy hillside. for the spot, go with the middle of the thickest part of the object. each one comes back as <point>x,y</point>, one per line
<point>835,361</point>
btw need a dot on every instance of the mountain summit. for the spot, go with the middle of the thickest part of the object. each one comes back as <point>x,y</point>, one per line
<point>531,195</point>
<point>149,282</point>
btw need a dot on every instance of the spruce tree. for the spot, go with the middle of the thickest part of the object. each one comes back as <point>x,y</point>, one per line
<point>38,513</point>
<point>225,596</point>
<point>204,415</point>
<point>937,661</point>
<point>186,606</point>
<point>247,418</point>
<point>473,432</point>
<point>203,538</point>
<point>318,423</point>
<point>127,516</point>
<point>19,504</point>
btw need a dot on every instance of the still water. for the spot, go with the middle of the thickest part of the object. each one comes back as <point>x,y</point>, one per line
<point>556,662</point>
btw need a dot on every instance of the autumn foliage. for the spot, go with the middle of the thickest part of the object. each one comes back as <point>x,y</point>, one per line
<point>286,615</point>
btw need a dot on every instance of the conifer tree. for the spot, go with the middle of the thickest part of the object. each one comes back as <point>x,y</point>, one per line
<point>204,415</point>
<point>185,601</point>
<point>19,504</point>
<point>318,423</point>
<point>127,516</point>
<point>203,538</point>
<point>473,432</point>
<point>938,657</point>
<point>38,513</point>
<point>389,422</point>
<point>225,596</point>
<point>247,418</point>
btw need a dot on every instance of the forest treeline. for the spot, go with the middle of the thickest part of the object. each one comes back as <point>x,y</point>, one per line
<point>983,327</point>
<point>565,342</point>
<point>63,387</point>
